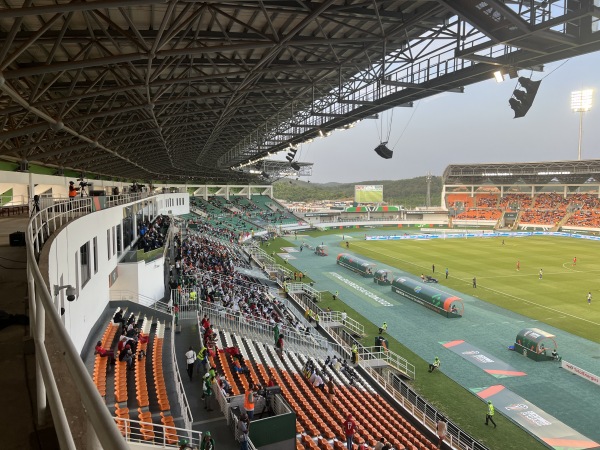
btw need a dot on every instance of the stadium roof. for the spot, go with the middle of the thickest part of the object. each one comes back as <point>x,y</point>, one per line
<point>564,172</point>
<point>188,90</point>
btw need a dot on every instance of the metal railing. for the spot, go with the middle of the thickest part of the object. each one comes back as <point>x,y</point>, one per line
<point>422,411</point>
<point>186,411</point>
<point>41,308</point>
<point>120,295</point>
<point>131,431</point>
<point>303,289</point>
<point>366,354</point>
<point>261,330</point>
<point>13,200</point>
<point>55,212</point>
<point>328,318</point>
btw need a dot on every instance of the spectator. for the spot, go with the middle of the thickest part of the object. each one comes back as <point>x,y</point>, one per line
<point>190,356</point>
<point>100,350</point>
<point>318,381</point>
<point>207,392</point>
<point>279,347</point>
<point>441,431</point>
<point>243,430</point>
<point>330,389</point>
<point>249,401</point>
<point>127,356</point>
<point>349,430</point>
<point>118,317</point>
<point>208,442</point>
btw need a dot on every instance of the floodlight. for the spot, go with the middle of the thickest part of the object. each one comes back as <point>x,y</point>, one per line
<point>581,101</point>
<point>498,76</point>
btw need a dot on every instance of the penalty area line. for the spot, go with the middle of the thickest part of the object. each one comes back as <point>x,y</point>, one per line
<point>570,268</point>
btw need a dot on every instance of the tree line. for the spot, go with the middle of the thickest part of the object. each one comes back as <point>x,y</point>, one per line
<point>409,193</point>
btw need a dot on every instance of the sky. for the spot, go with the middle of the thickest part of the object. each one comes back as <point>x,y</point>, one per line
<point>476,126</point>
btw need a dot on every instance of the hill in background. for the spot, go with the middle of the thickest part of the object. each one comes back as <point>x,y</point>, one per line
<point>410,193</point>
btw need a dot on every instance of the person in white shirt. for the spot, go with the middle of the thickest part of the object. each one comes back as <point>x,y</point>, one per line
<point>190,356</point>
<point>318,382</point>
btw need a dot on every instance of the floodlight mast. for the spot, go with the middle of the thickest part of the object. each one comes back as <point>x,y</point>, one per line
<point>581,102</point>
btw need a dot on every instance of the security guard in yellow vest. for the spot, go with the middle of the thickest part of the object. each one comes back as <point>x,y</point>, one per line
<point>490,414</point>
<point>354,354</point>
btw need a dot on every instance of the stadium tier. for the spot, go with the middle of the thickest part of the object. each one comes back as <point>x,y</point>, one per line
<point>549,195</point>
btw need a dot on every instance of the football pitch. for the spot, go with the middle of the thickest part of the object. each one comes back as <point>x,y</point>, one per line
<point>558,298</point>
<point>494,312</point>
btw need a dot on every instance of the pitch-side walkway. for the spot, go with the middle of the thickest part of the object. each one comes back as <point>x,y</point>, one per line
<point>569,398</point>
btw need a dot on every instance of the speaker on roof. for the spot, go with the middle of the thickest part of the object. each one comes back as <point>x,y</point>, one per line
<point>521,100</point>
<point>383,151</point>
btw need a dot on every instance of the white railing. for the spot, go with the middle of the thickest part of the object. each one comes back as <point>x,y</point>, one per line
<point>303,288</point>
<point>13,200</point>
<point>120,295</point>
<point>388,357</point>
<point>55,212</point>
<point>422,411</point>
<point>163,435</point>
<point>186,411</point>
<point>342,318</point>
<point>262,330</point>
<point>41,309</point>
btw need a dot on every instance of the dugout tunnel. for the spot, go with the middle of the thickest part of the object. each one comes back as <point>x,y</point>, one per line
<point>536,344</point>
<point>443,303</point>
<point>358,265</point>
<point>383,277</point>
<point>321,250</point>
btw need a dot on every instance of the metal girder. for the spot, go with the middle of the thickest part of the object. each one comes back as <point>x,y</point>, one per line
<point>175,85</point>
<point>420,87</point>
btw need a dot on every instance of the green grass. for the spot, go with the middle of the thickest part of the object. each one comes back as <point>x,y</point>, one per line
<point>558,299</point>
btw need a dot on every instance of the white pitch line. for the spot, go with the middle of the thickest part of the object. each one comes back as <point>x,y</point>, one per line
<point>570,268</point>
<point>500,292</point>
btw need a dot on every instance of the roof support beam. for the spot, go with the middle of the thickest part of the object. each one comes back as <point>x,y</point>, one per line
<point>74,6</point>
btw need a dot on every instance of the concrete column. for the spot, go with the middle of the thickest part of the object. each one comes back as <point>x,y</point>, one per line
<point>31,188</point>
<point>40,337</point>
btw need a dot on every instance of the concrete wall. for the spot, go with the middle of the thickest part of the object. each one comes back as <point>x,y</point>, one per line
<point>64,265</point>
<point>145,279</point>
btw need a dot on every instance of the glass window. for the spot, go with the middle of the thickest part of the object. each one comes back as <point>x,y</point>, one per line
<point>95,255</point>
<point>108,244</point>
<point>84,263</point>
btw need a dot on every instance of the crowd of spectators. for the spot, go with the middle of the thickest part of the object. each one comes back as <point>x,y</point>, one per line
<point>205,271</point>
<point>542,209</point>
<point>550,201</point>
<point>487,201</point>
<point>480,214</point>
<point>585,218</point>
<point>252,212</point>
<point>585,201</point>
<point>542,217</point>
<point>152,235</point>
<point>515,202</point>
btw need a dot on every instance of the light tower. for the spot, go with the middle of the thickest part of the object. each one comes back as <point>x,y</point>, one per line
<point>581,102</point>
<point>428,190</point>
